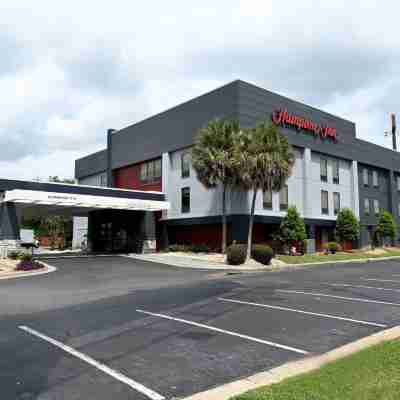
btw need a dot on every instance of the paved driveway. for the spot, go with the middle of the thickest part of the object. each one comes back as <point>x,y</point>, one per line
<point>123,329</point>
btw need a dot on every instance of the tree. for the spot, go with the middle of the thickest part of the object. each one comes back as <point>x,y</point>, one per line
<point>292,228</point>
<point>347,225</point>
<point>386,227</point>
<point>212,159</point>
<point>264,161</point>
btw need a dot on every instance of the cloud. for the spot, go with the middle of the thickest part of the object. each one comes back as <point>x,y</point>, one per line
<point>72,70</point>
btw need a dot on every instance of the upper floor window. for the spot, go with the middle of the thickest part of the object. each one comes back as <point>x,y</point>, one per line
<point>336,203</point>
<point>398,209</point>
<point>366,207</point>
<point>375,180</point>
<point>398,183</point>
<point>365,177</point>
<point>284,198</point>
<point>185,164</point>
<point>324,202</point>
<point>376,207</point>
<point>185,199</point>
<point>323,164</point>
<point>150,171</point>
<point>267,200</point>
<point>335,171</point>
<point>103,179</point>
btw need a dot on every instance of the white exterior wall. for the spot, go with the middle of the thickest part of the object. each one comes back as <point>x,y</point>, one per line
<point>314,185</point>
<point>304,190</point>
<point>80,224</point>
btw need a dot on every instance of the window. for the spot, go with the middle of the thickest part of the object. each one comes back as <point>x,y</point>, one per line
<point>283,198</point>
<point>185,164</point>
<point>324,202</point>
<point>365,176</point>
<point>376,207</point>
<point>398,183</point>
<point>267,200</point>
<point>336,203</point>
<point>185,200</point>
<point>335,171</point>
<point>150,171</point>
<point>103,180</point>
<point>398,208</point>
<point>375,181</point>
<point>323,164</point>
<point>366,207</point>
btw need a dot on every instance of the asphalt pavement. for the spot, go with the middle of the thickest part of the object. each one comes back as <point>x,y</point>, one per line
<point>120,328</point>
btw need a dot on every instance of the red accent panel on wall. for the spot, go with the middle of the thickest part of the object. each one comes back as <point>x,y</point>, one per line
<point>129,178</point>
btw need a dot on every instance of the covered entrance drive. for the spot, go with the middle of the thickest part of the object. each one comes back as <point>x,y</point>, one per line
<point>118,220</point>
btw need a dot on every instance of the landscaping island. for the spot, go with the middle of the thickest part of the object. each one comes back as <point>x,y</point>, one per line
<point>371,374</point>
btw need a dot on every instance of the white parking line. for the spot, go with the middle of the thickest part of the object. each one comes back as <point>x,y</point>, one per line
<point>102,367</point>
<point>362,287</point>
<point>380,280</point>
<point>213,328</point>
<point>356,321</point>
<point>340,297</point>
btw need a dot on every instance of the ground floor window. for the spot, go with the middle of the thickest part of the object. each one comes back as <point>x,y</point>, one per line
<point>185,199</point>
<point>284,198</point>
<point>336,203</point>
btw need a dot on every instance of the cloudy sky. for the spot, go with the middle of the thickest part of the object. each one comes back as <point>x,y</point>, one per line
<point>69,70</point>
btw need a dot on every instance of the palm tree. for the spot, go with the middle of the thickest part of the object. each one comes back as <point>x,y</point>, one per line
<point>212,159</point>
<point>264,161</point>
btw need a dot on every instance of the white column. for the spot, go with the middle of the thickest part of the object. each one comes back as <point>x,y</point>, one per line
<point>354,189</point>
<point>307,202</point>
<point>165,171</point>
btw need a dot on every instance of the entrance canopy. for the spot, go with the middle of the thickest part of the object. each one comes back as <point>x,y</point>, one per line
<point>79,201</point>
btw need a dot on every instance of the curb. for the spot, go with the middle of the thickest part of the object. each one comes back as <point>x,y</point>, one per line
<point>210,267</point>
<point>294,368</point>
<point>49,268</point>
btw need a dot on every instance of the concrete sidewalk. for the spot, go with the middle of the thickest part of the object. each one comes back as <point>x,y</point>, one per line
<point>196,263</point>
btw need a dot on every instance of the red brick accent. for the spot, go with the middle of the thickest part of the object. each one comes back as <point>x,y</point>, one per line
<point>129,178</point>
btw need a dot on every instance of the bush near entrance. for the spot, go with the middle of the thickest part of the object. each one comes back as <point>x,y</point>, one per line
<point>262,254</point>
<point>292,228</point>
<point>347,226</point>
<point>386,228</point>
<point>236,254</point>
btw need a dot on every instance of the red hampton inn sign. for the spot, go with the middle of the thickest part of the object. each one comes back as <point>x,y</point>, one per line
<point>282,117</point>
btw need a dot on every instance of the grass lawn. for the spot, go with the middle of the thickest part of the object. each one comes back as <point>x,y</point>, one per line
<point>309,258</point>
<point>371,374</point>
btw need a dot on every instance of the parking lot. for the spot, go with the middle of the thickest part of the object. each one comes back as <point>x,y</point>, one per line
<point>133,330</point>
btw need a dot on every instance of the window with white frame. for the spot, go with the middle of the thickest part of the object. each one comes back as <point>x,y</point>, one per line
<point>335,171</point>
<point>375,180</point>
<point>323,164</point>
<point>185,200</point>
<point>324,202</point>
<point>376,207</point>
<point>267,200</point>
<point>336,203</point>
<point>365,177</point>
<point>366,207</point>
<point>185,164</point>
<point>284,198</point>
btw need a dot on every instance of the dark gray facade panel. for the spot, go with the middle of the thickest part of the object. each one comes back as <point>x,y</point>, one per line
<point>8,184</point>
<point>91,164</point>
<point>172,129</point>
<point>9,228</point>
<point>256,104</point>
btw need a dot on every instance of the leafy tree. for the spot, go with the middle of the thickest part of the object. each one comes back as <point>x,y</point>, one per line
<point>386,227</point>
<point>212,159</point>
<point>292,228</point>
<point>347,225</point>
<point>264,161</point>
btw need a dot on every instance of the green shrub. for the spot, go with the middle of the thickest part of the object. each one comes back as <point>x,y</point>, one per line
<point>199,248</point>
<point>25,257</point>
<point>236,254</point>
<point>386,227</point>
<point>347,225</point>
<point>177,247</point>
<point>14,255</point>
<point>262,253</point>
<point>333,247</point>
<point>292,228</point>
